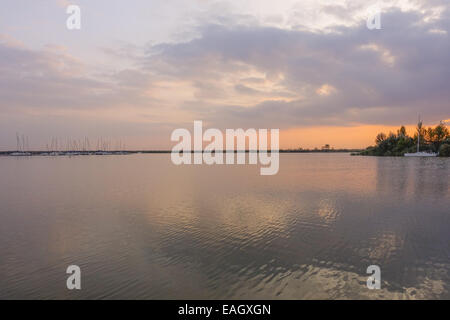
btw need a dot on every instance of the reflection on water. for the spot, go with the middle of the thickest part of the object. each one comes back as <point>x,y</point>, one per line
<point>140,227</point>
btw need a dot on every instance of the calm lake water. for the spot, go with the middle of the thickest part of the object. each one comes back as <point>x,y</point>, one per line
<point>140,227</point>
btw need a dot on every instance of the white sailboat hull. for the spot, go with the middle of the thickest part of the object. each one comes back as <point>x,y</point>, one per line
<point>421,154</point>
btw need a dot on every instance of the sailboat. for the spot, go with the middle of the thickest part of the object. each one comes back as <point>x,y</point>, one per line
<point>418,153</point>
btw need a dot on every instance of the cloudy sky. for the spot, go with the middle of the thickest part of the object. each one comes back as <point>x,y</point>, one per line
<point>136,70</point>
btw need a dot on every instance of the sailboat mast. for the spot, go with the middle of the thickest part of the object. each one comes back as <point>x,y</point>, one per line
<point>418,141</point>
<point>419,126</point>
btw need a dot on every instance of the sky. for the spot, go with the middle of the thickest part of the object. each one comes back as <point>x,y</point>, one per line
<point>137,70</point>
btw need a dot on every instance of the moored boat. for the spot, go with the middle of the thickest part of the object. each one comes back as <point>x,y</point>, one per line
<point>418,153</point>
<point>421,154</point>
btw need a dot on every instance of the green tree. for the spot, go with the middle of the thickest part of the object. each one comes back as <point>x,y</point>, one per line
<point>402,132</point>
<point>380,138</point>
<point>444,150</point>
<point>437,136</point>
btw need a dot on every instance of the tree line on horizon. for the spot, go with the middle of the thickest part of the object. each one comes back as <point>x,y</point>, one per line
<point>435,139</point>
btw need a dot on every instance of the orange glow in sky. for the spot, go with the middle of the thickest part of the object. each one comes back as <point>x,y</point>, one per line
<point>337,137</point>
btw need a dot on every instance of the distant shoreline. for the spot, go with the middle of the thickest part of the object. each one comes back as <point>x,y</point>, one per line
<point>127,152</point>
